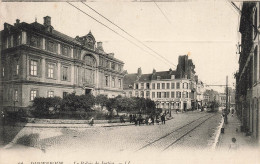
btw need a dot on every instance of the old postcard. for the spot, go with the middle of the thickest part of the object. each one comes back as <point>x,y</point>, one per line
<point>129,81</point>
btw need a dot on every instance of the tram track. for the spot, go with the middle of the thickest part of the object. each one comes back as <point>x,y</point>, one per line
<point>176,135</point>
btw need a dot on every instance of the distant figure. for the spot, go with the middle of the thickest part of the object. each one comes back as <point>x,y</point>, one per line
<point>163,119</point>
<point>233,145</point>
<point>122,119</point>
<point>140,119</point>
<point>130,118</point>
<point>149,121</point>
<point>232,112</point>
<point>135,120</point>
<point>91,121</point>
<point>152,118</point>
<point>146,120</point>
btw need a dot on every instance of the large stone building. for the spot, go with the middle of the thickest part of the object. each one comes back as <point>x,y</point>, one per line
<point>37,60</point>
<point>169,89</point>
<point>248,75</point>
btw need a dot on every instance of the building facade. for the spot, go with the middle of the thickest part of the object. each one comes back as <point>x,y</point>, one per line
<point>37,60</point>
<point>199,92</point>
<point>169,89</point>
<point>248,75</point>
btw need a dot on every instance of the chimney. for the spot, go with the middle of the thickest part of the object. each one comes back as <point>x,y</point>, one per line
<point>47,21</point>
<point>154,71</point>
<point>139,71</point>
<point>111,55</point>
<point>17,22</point>
<point>99,46</point>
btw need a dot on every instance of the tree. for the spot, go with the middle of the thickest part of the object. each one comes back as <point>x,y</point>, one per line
<point>151,106</point>
<point>43,104</point>
<point>111,104</point>
<point>102,100</point>
<point>125,104</point>
<point>74,102</point>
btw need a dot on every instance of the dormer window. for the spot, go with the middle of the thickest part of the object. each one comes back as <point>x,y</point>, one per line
<point>158,77</point>
<point>172,76</point>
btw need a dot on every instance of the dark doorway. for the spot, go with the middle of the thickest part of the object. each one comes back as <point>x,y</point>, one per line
<point>185,106</point>
<point>87,91</point>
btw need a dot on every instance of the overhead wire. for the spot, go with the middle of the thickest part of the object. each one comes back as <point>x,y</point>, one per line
<point>114,31</point>
<point>129,34</point>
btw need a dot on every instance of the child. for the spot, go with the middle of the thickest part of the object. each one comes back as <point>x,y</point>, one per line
<point>233,145</point>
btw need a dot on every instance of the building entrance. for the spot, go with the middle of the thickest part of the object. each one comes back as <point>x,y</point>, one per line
<point>87,91</point>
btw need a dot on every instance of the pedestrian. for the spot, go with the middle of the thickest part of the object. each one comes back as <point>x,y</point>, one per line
<point>135,120</point>
<point>163,119</point>
<point>149,121</point>
<point>131,118</point>
<point>232,112</point>
<point>146,120</point>
<point>140,119</point>
<point>91,121</point>
<point>122,119</point>
<point>152,118</point>
<point>233,145</point>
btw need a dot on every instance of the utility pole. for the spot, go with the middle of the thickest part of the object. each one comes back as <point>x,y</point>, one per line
<point>227,106</point>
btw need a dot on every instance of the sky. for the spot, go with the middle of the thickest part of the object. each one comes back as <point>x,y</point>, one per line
<point>207,30</point>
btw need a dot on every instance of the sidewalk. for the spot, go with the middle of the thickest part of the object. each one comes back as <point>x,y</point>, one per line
<point>232,130</point>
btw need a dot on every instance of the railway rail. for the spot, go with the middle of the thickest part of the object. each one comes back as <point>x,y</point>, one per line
<point>167,141</point>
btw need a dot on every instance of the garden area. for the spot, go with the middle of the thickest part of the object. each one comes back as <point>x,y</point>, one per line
<point>85,107</point>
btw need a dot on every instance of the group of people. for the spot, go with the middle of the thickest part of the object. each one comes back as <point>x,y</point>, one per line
<point>151,120</point>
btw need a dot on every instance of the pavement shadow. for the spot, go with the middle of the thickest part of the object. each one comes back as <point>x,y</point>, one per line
<point>28,140</point>
<point>8,130</point>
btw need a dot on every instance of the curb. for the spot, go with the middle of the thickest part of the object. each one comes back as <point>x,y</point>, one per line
<point>216,141</point>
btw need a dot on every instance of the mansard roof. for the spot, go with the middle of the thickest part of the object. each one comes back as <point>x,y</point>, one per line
<point>130,79</point>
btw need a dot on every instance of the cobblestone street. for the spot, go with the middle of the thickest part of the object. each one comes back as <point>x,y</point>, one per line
<point>185,130</point>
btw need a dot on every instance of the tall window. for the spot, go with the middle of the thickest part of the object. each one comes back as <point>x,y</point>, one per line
<point>158,85</point>
<point>33,94</point>
<point>178,94</point>
<point>167,94</point>
<point>34,65</point>
<point>113,82</point>
<point>136,86</point>
<point>15,95</point>
<point>113,67</point>
<point>119,83</point>
<point>64,94</point>
<point>163,85</point>
<point>153,85</point>
<point>50,94</point>
<point>142,85</point>
<point>3,73</point>
<point>173,85</point>
<point>153,94</point>
<point>50,70</point>
<point>64,73</point>
<point>106,81</point>
<point>147,94</point>
<point>17,69</point>
<point>136,94</point>
<point>142,93</point>
<point>130,93</point>
<point>172,95</point>
<point>159,95</point>
<point>255,65</point>
<point>168,86</point>
<point>178,85</point>
<point>147,85</point>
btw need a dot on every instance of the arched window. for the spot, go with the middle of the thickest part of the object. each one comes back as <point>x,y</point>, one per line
<point>89,60</point>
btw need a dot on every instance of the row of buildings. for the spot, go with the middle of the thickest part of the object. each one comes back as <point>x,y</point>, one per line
<point>37,60</point>
<point>248,75</point>
<point>221,98</point>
